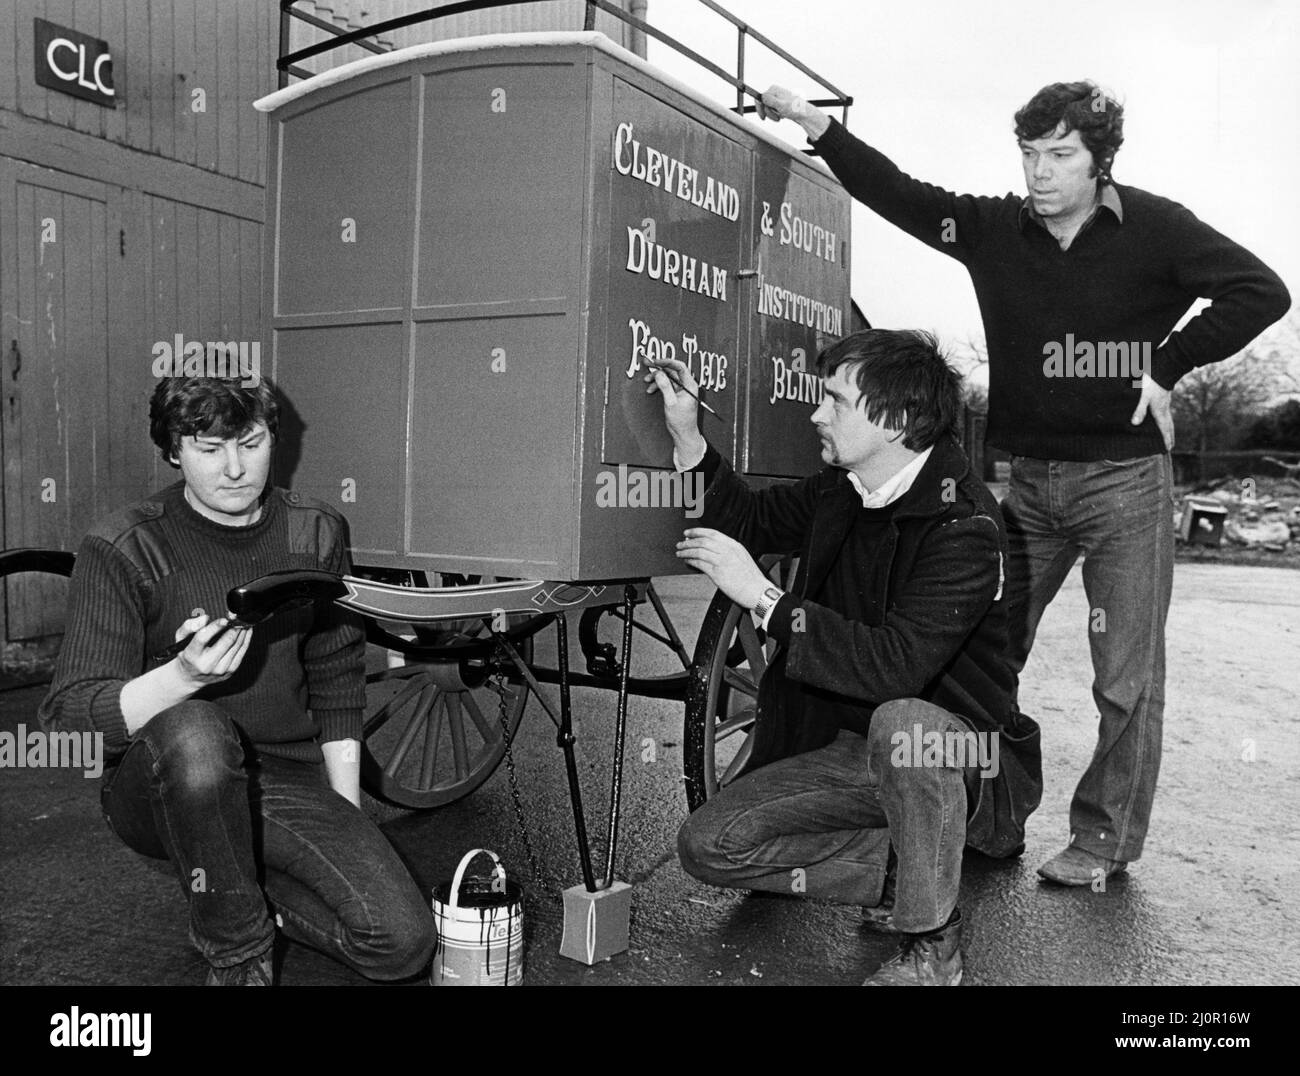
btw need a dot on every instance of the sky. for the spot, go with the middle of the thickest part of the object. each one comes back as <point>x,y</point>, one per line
<point>1211,93</point>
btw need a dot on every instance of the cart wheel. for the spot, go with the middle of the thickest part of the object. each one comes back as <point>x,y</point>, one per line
<point>34,592</point>
<point>432,731</point>
<point>731,655</point>
<point>53,561</point>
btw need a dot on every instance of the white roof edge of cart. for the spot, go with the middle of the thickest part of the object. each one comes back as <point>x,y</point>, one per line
<point>594,39</point>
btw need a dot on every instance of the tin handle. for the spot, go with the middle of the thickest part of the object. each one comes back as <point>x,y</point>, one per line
<point>460,873</point>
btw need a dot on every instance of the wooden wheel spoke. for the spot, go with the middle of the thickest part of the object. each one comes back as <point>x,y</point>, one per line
<point>456,722</point>
<point>737,763</point>
<point>419,714</point>
<point>787,577</point>
<point>735,678</point>
<point>741,722</point>
<point>753,648</point>
<point>376,721</point>
<point>486,729</point>
<point>429,759</point>
<point>380,717</point>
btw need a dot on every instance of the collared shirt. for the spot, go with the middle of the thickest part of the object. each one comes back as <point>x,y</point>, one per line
<point>1107,198</point>
<point>893,487</point>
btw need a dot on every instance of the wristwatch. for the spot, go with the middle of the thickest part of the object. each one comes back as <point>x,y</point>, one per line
<point>767,602</point>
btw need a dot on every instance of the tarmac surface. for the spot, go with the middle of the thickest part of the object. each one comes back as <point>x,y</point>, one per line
<point>1212,901</point>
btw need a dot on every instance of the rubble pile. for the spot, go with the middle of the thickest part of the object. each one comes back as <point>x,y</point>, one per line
<point>1252,513</point>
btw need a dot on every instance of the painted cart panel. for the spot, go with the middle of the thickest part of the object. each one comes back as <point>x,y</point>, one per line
<point>472,253</point>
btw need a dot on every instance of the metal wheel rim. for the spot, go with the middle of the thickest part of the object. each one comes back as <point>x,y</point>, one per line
<point>727,681</point>
<point>729,675</point>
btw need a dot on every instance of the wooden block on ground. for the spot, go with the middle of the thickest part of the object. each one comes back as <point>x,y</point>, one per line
<point>596,924</point>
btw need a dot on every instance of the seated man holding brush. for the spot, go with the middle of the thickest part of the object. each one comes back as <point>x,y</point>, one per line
<point>884,718</point>
<point>239,758</point>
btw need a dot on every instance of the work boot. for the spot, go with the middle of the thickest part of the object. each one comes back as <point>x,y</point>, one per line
<point>881,917</point>
<point>256,971</point>
<point>1077,866</point>
<point>930,959</point>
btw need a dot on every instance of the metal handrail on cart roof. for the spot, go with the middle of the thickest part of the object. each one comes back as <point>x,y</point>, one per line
<point>287,62</point>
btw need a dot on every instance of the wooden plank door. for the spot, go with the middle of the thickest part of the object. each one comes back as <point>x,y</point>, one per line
<point>58,242</point>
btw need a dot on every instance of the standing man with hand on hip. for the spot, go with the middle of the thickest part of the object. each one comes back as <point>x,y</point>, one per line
<point>1080,285</point>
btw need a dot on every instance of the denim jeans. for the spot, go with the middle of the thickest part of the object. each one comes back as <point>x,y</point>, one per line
<point>233,829</point>
<point>1119,516</point>
<point>820,823</point>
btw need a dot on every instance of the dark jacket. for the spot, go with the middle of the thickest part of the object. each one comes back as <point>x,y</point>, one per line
<point>938,632</point>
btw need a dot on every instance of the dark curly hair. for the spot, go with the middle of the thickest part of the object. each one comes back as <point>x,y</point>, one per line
<point>905,382</point>
<point>208,407</point>
<point>1081,106</point>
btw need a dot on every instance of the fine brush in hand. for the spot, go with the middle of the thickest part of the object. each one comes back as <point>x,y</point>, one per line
<point>668,373</point>
<point>180,644</point>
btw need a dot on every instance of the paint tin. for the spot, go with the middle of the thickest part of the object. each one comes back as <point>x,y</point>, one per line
<point>480,925</point>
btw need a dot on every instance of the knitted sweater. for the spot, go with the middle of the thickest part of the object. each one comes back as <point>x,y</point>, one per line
<point>1055,320</point>
<point>139,574</point>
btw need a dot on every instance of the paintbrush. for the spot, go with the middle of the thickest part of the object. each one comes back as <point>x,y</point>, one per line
<point>668,373</point>
<point>181,644</point>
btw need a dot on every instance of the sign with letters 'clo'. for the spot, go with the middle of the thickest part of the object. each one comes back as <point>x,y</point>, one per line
<point>74,63</point>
